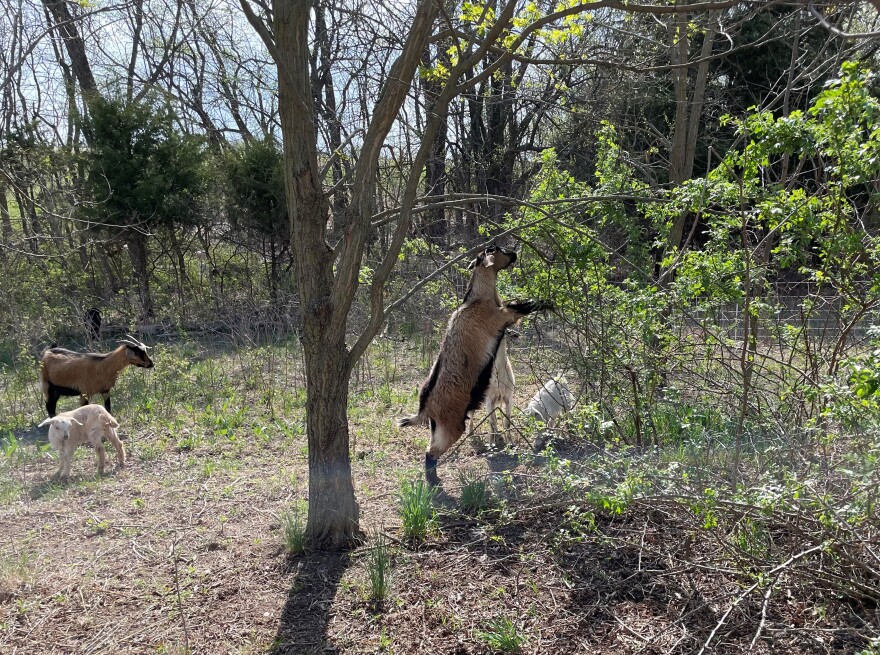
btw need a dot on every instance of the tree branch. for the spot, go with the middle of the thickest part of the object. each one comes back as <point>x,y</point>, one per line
<point>265,35</point>
<point>838,32</point>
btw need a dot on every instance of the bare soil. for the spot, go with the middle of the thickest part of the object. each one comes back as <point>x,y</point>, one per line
<point>181,551</point>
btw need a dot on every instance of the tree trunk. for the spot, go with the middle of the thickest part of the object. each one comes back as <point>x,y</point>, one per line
<point>139,254</point>
<point>688,110</point>
<point>434,225</point>
<point>328,280</point>
<point>325,101</point>
<point>180,270</point>
<point>5,219</point>
<point>333,511</point>
<point>76,49</point>
<point>678,55</point>
<point>501,143</point>
<point>274,296</point>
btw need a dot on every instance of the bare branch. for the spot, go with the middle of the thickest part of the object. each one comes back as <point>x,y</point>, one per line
<point>811,7</point>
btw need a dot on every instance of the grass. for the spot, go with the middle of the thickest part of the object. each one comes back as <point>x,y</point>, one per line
<point>293,527</point>
<point>476,495</point>
<point>417,510</point>
<point>501,636</point>
<point>379,569</point>
<point>15,569</point>
<point>579,531</point>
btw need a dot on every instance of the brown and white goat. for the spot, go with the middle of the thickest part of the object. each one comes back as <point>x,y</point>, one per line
<point>499,395</point>
<point>503,381</point>
<point>67,373</point>
<point>84,425</point>
<point>460,377</point>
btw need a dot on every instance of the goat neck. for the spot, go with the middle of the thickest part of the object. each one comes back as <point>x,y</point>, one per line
<point>483,286</point>
<point>117,360</point>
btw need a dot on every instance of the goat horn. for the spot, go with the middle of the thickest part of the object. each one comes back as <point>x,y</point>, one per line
<point>130,340</point>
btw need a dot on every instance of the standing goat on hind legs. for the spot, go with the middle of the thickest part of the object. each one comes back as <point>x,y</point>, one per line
<point>460,377</point>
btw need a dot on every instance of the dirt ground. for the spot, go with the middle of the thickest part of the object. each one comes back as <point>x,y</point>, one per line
<point>181,552</point>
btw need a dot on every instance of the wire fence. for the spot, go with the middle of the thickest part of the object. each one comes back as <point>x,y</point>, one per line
<point>810,316</point>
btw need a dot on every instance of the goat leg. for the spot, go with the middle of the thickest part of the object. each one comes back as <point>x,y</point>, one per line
<point>52,396</point>
<point>67,456</point>
<point>524,307</point>
<point>431,470</point>
<point>117,444</point>
<point>99,452</point>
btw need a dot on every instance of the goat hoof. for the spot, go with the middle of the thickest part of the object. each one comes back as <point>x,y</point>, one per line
<point>497,444</point>
<point>431,471</point>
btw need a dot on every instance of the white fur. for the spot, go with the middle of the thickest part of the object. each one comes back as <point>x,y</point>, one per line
<point>550,401</point>
<point>88,424</point>
<point>500,392</point>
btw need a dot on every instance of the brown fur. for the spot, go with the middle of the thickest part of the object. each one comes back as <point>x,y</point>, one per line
<point>64,372</point>
<point>460,377</point>
<point>84,425</point>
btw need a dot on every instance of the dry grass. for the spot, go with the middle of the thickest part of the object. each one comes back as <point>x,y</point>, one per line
<point>182,552</point>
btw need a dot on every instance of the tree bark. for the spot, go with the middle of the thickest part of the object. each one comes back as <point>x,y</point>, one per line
<point>139,254</point>
<point>434,225</point>
<point>688,110</point>
<point>76,49</point>
<point>333,512</point>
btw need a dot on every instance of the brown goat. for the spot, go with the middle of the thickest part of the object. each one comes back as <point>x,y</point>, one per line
<point>67,373</point>
<point>460,377</point>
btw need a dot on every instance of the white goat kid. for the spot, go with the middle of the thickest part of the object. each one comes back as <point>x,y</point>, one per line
<point>551,400</point>
<point>86,425</point>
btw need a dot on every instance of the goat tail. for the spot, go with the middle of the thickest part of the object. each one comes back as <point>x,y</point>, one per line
<point>415,419</point>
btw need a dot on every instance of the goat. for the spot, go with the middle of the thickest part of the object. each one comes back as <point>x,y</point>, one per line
<point>499,395</point>
<point>67,373</point>
<point>550,401</point>
<point>88,424</point>
<point>503,381</point>
<point>461,374</point>
<point>93,323</point>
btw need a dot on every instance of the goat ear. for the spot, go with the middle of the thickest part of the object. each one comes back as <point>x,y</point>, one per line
<point>75,421</point>
<point>476,262</point>
<point>48,421</point>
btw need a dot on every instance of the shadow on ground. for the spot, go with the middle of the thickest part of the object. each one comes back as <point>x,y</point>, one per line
<point>302,629</point>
